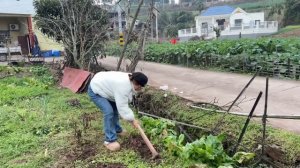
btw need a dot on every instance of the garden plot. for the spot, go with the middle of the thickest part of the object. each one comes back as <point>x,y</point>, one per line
<point>46,126</point>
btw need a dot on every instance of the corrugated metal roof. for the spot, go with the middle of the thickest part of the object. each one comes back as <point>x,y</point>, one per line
<point>17,7</point>
<point>218,10</point>
<point>75,79</point>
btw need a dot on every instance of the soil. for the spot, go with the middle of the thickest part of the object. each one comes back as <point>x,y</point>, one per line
<point>22,161</point>
<point>74,102</point>
<point>87,118</point>
<point>107,165</point>
<point>79,151</point>
<point>86,150</point>
<point>293,33</point>
<point>137,143</point>
<point>83,149</point>
<point>90,116</point>
<point>56,71</point>
<point>152,102</point>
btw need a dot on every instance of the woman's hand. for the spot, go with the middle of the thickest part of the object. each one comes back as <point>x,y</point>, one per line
<point>135,123</point>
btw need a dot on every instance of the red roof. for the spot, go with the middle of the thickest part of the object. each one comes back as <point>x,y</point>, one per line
<point>75,79</point>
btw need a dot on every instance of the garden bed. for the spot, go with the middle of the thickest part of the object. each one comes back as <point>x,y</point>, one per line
<point>278,142</point>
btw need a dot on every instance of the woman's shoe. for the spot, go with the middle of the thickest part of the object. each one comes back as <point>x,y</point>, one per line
<point>112,146</point>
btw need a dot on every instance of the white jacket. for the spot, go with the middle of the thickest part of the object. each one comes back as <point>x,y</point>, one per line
<point>115,86</point>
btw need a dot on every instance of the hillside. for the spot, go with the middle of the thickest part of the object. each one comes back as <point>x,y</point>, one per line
<point>252,5</point>
<point>289,31</point>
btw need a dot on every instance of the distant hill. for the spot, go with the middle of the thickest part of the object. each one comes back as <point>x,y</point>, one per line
<point>248,5</point>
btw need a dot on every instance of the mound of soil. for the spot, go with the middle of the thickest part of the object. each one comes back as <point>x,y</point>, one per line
<point>83,151</point>
<point>153,102</point>
<point>137,143</point>
<point>107,165</point>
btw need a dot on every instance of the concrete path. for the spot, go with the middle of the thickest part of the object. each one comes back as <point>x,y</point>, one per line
<point>207,86</point>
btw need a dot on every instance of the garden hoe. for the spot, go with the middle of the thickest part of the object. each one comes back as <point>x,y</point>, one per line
<point>148,143</point>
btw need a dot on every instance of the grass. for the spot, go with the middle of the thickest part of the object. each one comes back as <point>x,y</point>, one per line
<point>259,4</point>
<point>287,29</point>
<point>47,43</point>
<point>38,127</point>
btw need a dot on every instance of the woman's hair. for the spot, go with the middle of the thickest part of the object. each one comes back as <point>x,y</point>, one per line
<point>139,78</point>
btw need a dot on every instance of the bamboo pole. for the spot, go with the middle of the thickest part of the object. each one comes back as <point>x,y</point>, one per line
<point>264,119</point>
<point>246,124</point>
<point>177,122</point>
<point>236,99</point>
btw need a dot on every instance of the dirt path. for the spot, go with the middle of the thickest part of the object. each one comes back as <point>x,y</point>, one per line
<point>207,86</point>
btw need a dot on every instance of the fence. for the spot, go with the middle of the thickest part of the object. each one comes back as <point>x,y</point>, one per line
<point>278,68</point>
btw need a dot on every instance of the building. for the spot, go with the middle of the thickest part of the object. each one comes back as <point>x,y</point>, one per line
<point>113,16</point>
<point>232,22</point>
<point>174,2</point>
<point>114,20</point>
<point>15,26</point>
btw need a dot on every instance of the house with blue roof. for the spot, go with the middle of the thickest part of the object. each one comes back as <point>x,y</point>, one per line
<point>232,23</point>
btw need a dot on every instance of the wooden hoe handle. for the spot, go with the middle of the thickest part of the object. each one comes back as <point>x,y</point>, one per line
<point>148,143</point>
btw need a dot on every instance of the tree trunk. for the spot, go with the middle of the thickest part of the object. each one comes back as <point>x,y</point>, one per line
<point>129,33</point>
<point>140,51</point>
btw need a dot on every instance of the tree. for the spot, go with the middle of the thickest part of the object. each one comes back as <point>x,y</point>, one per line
<point>217,30</point>
<point>292,12</point>
<point>127,40</point>
<point>79,24</point>
<point>170,23</point>
<point>287,13</point>
<point>199,4</point>
<point>277,12</point>
<point>171,31</point>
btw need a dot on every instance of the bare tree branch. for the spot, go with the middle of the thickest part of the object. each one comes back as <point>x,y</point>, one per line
<point>78,24</point>
<point>129,33</point>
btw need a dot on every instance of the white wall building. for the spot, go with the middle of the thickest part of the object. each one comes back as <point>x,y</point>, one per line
<point>233,22</point>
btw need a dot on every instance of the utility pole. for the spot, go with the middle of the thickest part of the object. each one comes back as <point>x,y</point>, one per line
<point>121,35</point>
<point>119,18</point>
<point>128,15</point>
